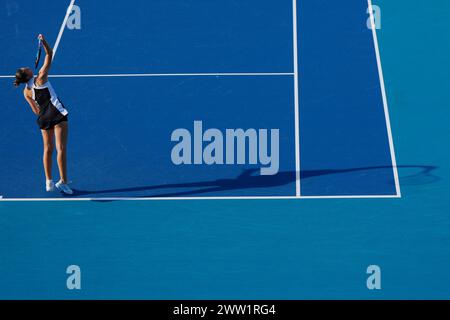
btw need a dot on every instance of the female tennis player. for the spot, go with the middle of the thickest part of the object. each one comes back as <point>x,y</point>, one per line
<point>52,118</point>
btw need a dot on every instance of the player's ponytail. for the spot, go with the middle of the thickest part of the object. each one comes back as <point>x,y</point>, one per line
<point>21,77</point>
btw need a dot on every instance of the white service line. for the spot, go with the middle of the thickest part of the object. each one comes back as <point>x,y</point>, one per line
<point>131,75</point>
<point>385,103</point>
<point>63,27</point>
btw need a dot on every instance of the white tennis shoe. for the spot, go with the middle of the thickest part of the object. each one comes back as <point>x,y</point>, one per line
<point>64,187</point>
<point>49,186</point>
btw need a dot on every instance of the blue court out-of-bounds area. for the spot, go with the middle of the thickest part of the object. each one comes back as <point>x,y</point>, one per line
<point>174,99</point>
<point>138,71</point>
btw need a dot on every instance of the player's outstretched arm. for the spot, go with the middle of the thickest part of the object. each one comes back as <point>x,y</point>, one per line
<point>43,73</point>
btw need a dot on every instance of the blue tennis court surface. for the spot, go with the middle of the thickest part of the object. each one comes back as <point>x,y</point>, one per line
<point>298,95</point>
<point>157,92</point>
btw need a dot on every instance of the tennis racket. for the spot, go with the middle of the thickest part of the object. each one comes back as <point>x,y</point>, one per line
<point>38,55</point>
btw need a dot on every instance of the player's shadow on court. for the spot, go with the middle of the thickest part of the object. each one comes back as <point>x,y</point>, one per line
<point>250,179</point>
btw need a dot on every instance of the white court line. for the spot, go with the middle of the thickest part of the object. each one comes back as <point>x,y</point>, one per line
<point>385,103</point>
<point>296,97</point>
<point>393,196</point>
<point>201,198</point>
<point>63,27</point>
<point>130,75</point>
<point>151,199</point>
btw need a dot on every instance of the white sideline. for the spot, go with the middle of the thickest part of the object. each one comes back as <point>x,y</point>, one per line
<point>385,103</point>
<point>63,27</point>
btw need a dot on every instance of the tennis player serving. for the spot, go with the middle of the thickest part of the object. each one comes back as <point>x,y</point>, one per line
<point>52,117</point>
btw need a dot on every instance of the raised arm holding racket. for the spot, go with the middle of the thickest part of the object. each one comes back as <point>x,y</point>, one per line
<point>52,115</point>
<point>42,76</point>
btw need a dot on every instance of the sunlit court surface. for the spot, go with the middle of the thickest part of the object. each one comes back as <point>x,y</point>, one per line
<point>213,99</point>
<point>286,121</point>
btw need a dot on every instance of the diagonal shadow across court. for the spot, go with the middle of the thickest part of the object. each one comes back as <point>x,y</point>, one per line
<point>247,180</point>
